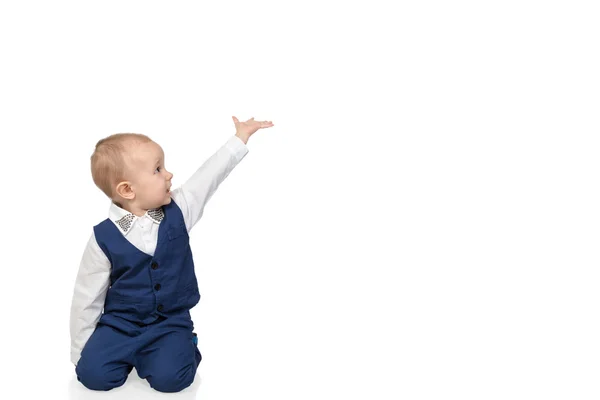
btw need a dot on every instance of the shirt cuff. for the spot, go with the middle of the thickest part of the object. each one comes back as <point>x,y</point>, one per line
<point>237,147</point>
<point>75,355</point>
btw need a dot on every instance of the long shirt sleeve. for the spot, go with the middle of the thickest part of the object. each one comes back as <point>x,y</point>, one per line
<point>91,285</point>
<point>193,195</point>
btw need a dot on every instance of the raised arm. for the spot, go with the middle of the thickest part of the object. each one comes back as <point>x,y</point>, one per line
<point>91,285</point>
<point>193,195</point>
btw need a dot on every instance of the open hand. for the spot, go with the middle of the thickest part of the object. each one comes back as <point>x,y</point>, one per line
<point>245,129</point>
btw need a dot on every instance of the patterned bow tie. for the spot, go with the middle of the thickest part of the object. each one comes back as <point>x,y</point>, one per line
<point>156,214</point>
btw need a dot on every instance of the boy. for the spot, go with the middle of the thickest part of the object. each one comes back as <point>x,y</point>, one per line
<point>136,282</point>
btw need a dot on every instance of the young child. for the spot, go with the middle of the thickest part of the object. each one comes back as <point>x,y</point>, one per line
<point>138,265</point>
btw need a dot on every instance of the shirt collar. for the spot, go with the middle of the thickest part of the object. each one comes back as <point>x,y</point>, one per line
<point>124,220</point>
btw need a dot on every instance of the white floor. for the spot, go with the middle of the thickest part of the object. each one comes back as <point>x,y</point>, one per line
<point>133,388</point>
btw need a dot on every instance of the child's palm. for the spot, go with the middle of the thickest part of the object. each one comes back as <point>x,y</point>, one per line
<point>250,126</point>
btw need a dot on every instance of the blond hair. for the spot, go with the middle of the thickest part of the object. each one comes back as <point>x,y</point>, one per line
<point>108,162</point>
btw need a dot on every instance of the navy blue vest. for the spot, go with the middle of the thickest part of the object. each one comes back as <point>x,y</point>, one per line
<point>144,287</point>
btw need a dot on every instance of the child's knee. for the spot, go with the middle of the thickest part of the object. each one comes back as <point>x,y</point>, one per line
<point>95,377</point>
<point>173,381</point>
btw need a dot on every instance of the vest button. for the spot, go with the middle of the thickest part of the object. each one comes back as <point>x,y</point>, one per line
<point>154,265</point>
<point>160,307</point>
<point>157,286</point>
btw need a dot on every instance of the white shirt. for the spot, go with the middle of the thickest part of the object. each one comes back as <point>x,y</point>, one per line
<point>93,277</point>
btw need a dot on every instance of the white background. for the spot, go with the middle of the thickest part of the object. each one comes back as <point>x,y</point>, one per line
<point>422,221</point>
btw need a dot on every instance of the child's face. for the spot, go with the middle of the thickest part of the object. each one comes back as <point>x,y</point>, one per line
<point>150,182</point>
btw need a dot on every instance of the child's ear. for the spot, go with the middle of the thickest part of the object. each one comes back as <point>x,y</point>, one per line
<point>124,190</point>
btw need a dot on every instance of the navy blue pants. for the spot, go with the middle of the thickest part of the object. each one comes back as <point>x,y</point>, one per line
<point>164,353</point>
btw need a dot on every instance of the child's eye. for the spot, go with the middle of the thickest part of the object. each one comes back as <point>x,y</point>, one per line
<point>157,169</point>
